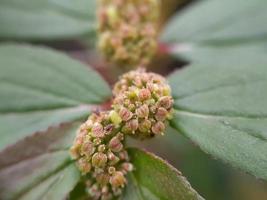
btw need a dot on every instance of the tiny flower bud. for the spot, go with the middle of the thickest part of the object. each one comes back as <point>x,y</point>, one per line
<point>128,167</point>
<point>115,118</point>
<point>166,102</point>
<point>158,128</point>
<point>101,148</point>
<point>117,179</point>
<point>112,158</point>
<point>142,111</point>
<point>115,144</point>
<point>99,160</point>
<point>98,130</point>
<point>131,126</point>
<point>111,170</point>
<point>84,165</point>
<point>88,148</point>
<point>125,114</point>
<point>145,126</point>
<point>144,94</point>
<point>124,155</point>
<point>161,114</point>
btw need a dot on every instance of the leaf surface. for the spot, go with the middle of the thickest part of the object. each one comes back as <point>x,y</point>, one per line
<point>212,31</point>
<point>46,19</point>
<point>41,88</point>
<point>224,111</point>
<point>155,179</point>
<point>39,166</point>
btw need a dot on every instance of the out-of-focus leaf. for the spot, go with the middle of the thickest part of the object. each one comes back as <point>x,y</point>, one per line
<point>39,166</point>
<point>211,30</point>
<point>41,88</point>
<point>46,19</point>
<point>154,179</point>
<point>224,111</point>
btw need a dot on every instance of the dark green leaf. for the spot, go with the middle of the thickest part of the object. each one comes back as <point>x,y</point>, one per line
<point>46,19</point>
<point>154,179</point>
<point>219,28</point>
<point>224,111</point>
<point>41,88</point>
<point>39,166</point>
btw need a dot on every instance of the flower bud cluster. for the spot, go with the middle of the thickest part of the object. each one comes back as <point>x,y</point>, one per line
<point>101,156</point>
<point>143,102</point>
<point>142,105</point>
<point>127,30</point>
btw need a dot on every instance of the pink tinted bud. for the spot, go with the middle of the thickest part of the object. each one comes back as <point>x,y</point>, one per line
<point>165,102</point>
<point>88,148</point>
<point>144,94</point>
<point>112,158</point>
<point>142,111</point>
<point>115,144</point>
<point>161,114</point>
<point>131,126</point>
<point>124,155</point>
<point>98,130</point>
<point>158,128</point>
<point>125,114</point>
<point>128,167</point>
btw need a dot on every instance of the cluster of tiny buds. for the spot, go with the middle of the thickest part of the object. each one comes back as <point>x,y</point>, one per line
<point>143,102</point>
<point>100,154</point>
<point>142,106</point>
<point>128,30</point>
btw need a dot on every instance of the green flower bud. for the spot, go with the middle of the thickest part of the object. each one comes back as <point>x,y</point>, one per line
<point>115,118</point>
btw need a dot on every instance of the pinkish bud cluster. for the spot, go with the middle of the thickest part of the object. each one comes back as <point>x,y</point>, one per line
<point>127,30</point>
<point>144,103</point>
<point>100,154</point>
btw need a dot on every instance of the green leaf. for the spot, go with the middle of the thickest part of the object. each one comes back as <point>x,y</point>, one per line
<point>41,88</point>
<point>46,19</point>
<point>154,179</point>
<point>39,166</point>
<point>224,111</point>
<point>218,28</point>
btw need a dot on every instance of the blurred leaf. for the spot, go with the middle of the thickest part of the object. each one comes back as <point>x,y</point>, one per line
<point>218,28</point>
<point>39,166</point>
<point>154,179</point>
<point>41,88</point>
<point>224,111</point>
<point>46,19</point>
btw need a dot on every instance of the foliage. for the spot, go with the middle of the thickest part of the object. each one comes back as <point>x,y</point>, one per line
<point>219,98</point>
